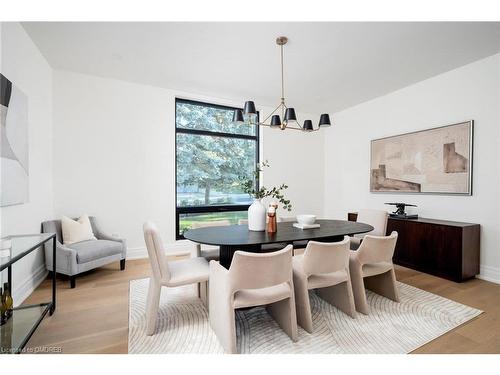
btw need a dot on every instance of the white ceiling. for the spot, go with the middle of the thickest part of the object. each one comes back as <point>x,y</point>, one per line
<point>328,66</point>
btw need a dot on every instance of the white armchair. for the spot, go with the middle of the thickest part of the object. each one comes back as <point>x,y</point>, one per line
<point>376,218</point>
<point>212,253</point>
<point>324,267</point>
<point>252,280</point>
<point>371,267</point>
<point>169,274</point>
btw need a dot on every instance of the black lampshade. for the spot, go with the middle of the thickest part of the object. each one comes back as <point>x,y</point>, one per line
<point>238,116</point>
<point>324,120</point>
<point>249,108</point>
<point>275,120</point>
<point>308,125</point>
<point>290,115</point>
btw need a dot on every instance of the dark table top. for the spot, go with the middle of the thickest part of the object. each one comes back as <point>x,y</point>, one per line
<point>234,235</point>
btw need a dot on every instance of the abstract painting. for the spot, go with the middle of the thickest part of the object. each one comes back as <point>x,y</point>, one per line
<point>435,161</point>
<point>14,164</point>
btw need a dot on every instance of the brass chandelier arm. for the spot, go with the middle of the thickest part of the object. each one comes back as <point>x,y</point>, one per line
<point>275,109</point>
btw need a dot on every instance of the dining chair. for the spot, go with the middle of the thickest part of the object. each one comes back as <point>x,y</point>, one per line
<point>298,246</point>
<point>266,247</point>
<point>287,219</point>
<point>376,218</point>
<point>169,274</point>
<point>371,267</point>
<point>325,268</point>
<point>252,280</point>
<point>211,253</point>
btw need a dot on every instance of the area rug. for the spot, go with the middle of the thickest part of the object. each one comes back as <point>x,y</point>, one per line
<point>395,328</point>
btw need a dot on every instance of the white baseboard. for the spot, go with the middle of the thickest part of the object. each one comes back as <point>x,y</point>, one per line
<point>25,289</point>
<point>489,273</point>
<point>136,253</point>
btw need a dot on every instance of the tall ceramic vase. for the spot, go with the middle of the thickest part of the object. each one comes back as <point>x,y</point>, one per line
<point>257,216</point>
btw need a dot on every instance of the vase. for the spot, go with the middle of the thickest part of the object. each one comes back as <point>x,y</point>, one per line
<point>257,216</point>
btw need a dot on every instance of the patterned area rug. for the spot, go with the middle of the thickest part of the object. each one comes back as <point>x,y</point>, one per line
<point>396,328</point>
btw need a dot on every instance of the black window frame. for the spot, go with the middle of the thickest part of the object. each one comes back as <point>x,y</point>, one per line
<point>211,208</point>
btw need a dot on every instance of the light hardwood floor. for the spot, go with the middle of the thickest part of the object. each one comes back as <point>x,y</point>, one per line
<point>93,318</point>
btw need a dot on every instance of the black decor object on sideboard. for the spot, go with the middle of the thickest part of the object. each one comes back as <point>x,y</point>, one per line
<point>400,211</point>
<point>447,249</point>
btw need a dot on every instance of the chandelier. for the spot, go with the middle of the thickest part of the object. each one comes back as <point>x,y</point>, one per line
<point>288,118</point>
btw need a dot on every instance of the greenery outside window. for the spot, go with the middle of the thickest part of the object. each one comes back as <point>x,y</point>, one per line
<point>212,156</point>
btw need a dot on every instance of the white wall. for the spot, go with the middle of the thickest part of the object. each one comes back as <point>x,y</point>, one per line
<point>25,67</point>
<point>470,92</point>
<point>114,149</point>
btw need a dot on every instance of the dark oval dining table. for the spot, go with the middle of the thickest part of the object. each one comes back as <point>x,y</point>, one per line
<point>238,237</point>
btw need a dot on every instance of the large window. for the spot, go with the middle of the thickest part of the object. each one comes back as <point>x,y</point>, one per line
<point>212,157</point>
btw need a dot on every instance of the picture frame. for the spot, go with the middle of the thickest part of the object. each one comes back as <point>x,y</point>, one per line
<point>436,160</point>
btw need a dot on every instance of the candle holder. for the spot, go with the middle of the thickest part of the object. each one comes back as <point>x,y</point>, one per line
<point>272,225</point>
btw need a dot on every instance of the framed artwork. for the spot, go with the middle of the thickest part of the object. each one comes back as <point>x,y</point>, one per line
<point>431,161</point>
<point>14,184</point>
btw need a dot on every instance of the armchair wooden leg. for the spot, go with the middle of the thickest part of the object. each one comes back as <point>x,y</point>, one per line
<point>72,281</point>
<point>122,264</point>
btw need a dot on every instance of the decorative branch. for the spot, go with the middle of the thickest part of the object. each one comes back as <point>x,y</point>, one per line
<point>276,192</point>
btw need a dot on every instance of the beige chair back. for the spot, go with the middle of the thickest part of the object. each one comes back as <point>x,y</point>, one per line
<point>322,258</point>
<point>205,224</point>
<point>156,252</point>
<point>255,271</point>
<point>287,219</point>
<point>376,218</point>
<point>375,249</point>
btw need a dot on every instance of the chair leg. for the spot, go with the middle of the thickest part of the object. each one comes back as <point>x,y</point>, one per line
<point>384,284</point>
<point>358,288</point>
<point>122,264</point>
<point>302,303</point>
<point>340,296</point>
<point>72,281</point>
<point>203,292</point>
<point>222,319</point>
<point>152,305</point>
<point>283,312</point>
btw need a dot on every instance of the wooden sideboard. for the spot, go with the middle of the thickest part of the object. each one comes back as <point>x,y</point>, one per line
<point>447,249</point>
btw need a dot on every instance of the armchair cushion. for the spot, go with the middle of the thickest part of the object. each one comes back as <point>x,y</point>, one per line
<point>76,230</point>
<point>87,251</point>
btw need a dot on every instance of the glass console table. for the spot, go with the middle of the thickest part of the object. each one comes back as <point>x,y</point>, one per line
<point>15,334</point>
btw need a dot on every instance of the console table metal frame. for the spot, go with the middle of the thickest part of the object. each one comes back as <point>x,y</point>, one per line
<point>49,306</point>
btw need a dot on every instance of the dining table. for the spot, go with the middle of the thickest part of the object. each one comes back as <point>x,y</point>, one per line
<point>231,238</point>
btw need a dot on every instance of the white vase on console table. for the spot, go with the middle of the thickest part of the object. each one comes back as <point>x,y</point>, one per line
<point>257,216</point>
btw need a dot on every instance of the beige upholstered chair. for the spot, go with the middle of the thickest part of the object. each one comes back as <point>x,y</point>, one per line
<point>211,253</point>
<point>298,246</point>
<point>287,219</point>
<point>376,218</point>
<point>169,274</point>
<point>371,267</point>
<point>324,267</point>
<point>252,280</point>
<point>266,247</point>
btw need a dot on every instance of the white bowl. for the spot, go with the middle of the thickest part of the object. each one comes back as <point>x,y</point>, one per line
<point>306,219</point>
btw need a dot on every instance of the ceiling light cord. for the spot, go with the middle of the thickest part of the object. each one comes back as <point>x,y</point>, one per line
<point>282,78</point>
